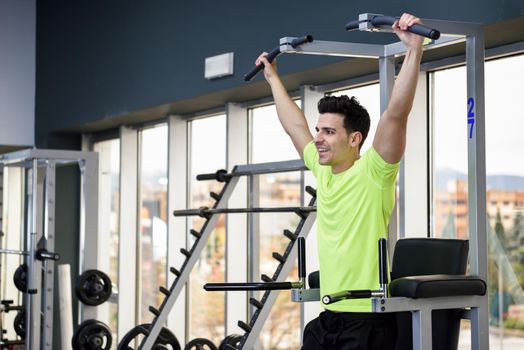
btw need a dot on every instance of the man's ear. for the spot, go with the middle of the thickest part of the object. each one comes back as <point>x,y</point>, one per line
<point>355,139</point>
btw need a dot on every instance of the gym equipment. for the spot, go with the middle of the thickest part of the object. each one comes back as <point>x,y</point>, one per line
<point>193,254</point>
<point>372,21</point>
<point>40,254</point>
<point>165,340</point>
<point>269,285</point>
<point>6,306</point>
<point>263,306</point>
<point>93,287</point>
<point>38,169</point>
<point>206,212</point>
<point>230,342</point>
<point>20,275</point>
<point>20,278</point>
<point>428,279</point>
<point>451,33</point>
<point>19,324</point>
<point>294,42</point>
<point>200,344</point>
<point>382,281</point>
<point>92,335</point>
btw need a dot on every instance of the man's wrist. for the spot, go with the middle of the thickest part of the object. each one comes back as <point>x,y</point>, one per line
<point>415,51</point>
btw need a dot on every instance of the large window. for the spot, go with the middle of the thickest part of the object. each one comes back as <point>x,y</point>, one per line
<point>271,144</point>
<point>207,155</point>
<point>450,157</point>
<point>505,185</point>
<point>109,195</point>
<point>152,235</point>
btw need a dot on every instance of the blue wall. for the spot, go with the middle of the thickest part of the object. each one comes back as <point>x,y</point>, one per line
<point>99,59</point>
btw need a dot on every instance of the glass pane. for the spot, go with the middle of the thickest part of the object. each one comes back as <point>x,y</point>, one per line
<point>369,97</point>
<point>276,190</point>
<point>505,188</point>
<point>108,215</point>
<point>450,157</point>
<point>208,154</point>
<point>505,201</point>
<point>152,237</point>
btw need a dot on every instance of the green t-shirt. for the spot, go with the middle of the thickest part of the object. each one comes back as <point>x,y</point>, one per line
<point>353,211</point>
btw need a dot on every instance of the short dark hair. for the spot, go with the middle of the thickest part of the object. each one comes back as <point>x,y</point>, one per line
<point>356,117</point>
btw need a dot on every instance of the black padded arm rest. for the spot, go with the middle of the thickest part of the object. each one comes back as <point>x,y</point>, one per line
<point>313,280</point>
<point>430,286</point>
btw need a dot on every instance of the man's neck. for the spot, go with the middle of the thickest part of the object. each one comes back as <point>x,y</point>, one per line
<point>339,168</point>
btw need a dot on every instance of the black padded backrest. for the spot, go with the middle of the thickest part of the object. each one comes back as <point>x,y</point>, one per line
<point>429,256</point>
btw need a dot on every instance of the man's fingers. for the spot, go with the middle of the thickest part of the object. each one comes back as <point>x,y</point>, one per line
<point>407,20</point>
<point>260,60</point>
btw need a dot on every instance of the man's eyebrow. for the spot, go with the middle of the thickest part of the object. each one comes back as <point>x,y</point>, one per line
<point>326,128</point>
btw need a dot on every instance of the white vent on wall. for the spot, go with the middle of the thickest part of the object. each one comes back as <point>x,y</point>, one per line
<point>219,66</point>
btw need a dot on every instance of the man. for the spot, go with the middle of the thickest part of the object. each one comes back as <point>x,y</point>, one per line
<point>355,196</point>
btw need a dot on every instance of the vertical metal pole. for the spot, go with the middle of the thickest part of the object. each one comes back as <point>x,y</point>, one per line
<point>254,237</point>
<point>477,178</point>
<point>127,223</point>
<point>89,234</point>
<point>31,322</point>
<point>177,226</point>
<point>422,335</point>
<point>236,258</point>
<point>48,265</point>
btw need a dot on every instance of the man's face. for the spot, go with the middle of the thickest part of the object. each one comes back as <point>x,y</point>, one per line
<point>332,140</point>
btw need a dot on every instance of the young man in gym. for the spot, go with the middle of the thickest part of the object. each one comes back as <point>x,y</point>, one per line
<point>355,196</point>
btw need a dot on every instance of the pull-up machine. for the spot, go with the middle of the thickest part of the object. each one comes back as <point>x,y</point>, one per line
<point>448,33</point>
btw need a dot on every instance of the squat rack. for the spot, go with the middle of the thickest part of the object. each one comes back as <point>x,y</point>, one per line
<point>40,189</point>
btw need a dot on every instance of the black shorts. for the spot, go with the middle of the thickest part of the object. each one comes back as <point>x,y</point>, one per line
<point>350,331</point>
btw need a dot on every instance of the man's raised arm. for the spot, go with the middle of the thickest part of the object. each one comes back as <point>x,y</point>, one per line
<point>290,115</point>
<point>390,137</point>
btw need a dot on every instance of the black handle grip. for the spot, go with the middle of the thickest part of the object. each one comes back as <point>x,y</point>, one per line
<point>270,57</point>
<point>351,25</point>
<point>43,254</point>
<point>274,53</point>
<point>220,175</point>
<point>382,261</point>
<point>347,294</point>
<point>301,257</point>
<point>301,40</point>
<point>419,29</point>
<point>213,287</point>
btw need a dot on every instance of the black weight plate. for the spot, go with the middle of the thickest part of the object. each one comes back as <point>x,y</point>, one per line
<point>20,278</point>
<point>19,323</point>
<point>233,340</point>
<point>165,340</point>
<point>200,344</point>
<point>93,287</point>
<point>92,335</point>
